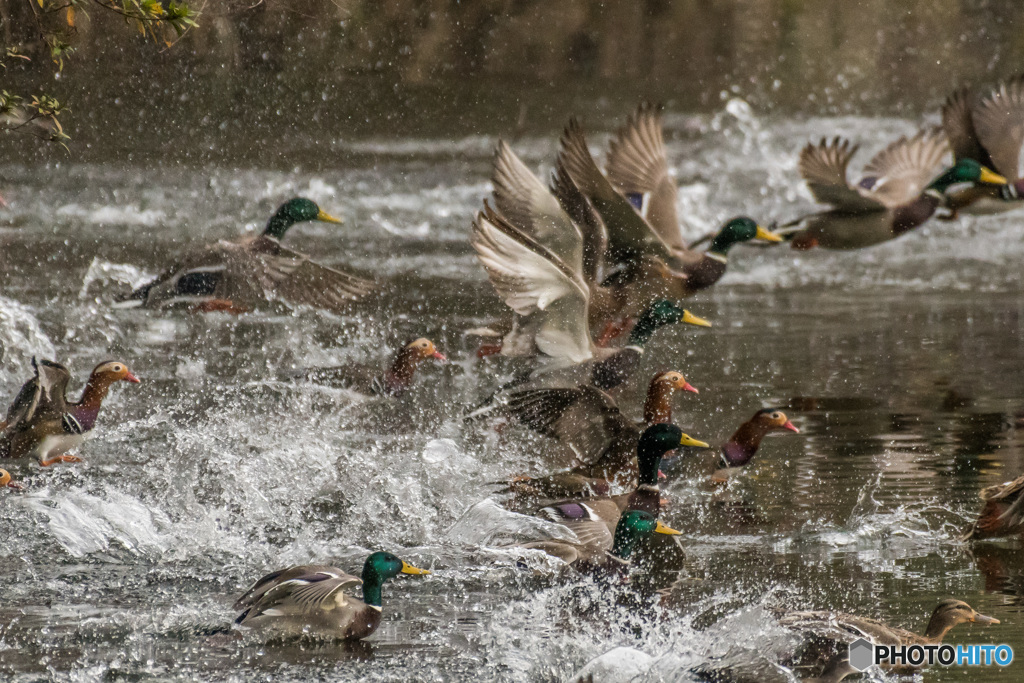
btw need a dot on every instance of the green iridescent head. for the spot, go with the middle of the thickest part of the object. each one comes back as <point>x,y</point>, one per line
<point>660,313</point>
<point>297,210</point>
<point>966,171</point>
<point>741,229</point>
<point>634,526</point>
<point>655,442</point>
<point>378,568</point>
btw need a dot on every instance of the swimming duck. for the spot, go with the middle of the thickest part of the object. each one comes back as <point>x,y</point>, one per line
<point>742,446</point>
<point>5,480</point>
<point>637,201</point>
<point>316,598</point>
<point>237,275</point>
<point>1003,512</point>
<point>991,133</point>
<point>828,635</point>
<point>630,530</point>
<point>393,382</point>
<point>589,422</point>
<point>42,423</point>
<point>898,192</point>
<point>593,520</point>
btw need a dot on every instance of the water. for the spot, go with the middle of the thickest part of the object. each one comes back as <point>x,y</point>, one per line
<point>900,364</point>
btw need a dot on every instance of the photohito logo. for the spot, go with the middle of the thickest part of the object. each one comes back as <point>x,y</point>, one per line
<point>863,654</point>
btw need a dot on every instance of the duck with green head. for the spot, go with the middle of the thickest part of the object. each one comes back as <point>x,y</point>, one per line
<point>240,274</point>
<point>316,598</point>
<point>900,190</point>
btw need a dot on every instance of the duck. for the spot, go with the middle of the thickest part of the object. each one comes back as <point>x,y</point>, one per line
<point>637,201</point>
<point>394,381</point>
<point>989,131</point>
<point>902,187</point>
<point>237,275</point>
<point>317,598</point>
<point>590,423</point>
<point>593,520</point>
<point>742,446</point>
<point>42,423</point>
<point>6,480</point>
<point>631,529</point>
<point>1002,513</point>
<point>828,635</point>
<point>552,299</point>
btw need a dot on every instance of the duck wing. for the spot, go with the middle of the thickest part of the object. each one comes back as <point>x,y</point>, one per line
<point>296,591</point>
<point>43,396</point>
<point>898,174</point>
<point>194,276</point>
<point>592,520</point>
<point>536,284</point>
<point>583,214</point>
<point>999,120</point>
<point>637,167</point>
<point>958,124</point>
<point>628,233</point>
<point>823,167</point>
<point>845,628</point>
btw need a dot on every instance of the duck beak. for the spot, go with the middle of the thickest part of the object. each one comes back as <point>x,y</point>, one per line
<point>689,387</point>
<point>437,355</point>
<point>791,427</point>
<point>661,475</point>
<point>688,440</point>
<point>991,177</point>
<point>409,569</point>
<point>129,377</point>
<point>691,319</point>
<point>662,529</point>
<point>766,235</point>
<point>327,218</point>
<point>982,619</point>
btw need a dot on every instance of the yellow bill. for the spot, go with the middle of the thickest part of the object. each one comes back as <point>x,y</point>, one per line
<point>691,319</point>
<point>327,218</point>
<point>662,529</point>
<point>766,235</point>
<point>409,569</point>
<point>991,177</point>
<point>688,440</point>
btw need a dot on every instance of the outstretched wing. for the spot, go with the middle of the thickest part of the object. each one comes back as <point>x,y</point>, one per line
<point>528,205</point>
<point>534,282</point>
<point>999,120</point>
<point>638,167</point>
<point>900,173</point>
<point>583,214</point>
<point>958,124</point>
<point>823,167</point>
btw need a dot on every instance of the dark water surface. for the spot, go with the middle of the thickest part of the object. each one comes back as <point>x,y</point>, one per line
<point>900,364</point>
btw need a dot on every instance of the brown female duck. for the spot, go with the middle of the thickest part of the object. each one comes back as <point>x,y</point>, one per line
<point>42,423</point>
<point>1002,513</point>
<point>742,446</point>
<point>395,381</point>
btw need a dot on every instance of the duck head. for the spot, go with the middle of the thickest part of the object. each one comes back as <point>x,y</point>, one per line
<point>966,171</point>
<point>633,527</point>
<point>399,376</point>
<point>5,480</point>
<point>297,210</point>
<point>655,442</point>
<point>741,229</point>
<point>950,613</point>
<point>660,313</point>
<point>112,371</point>
<point>378,568</point>
<point>658,405</point>
<point>743,445</point>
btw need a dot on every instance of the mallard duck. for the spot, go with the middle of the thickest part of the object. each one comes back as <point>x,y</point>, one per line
<point>901,188</point>
<point>589,422</point>
<point>741,447</point>
<point>593,520</point>
<point>315,598</point>
<point>631,529</point>
<point>991,133</point>
<point>392,382</point>
<point>5,480</point>
<point>237,275</point>
<point>638,198</point>
<point>42,423</point>
<point>828,635</point>
<point>1003,512</point>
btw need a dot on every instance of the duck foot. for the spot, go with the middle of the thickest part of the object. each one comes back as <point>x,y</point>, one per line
<point>612,329</point>
<point>488,350</point>
<point>219,305</point>
<point>60,458</point>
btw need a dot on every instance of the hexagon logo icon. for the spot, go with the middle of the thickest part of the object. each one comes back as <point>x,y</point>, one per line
<point>861,654</point>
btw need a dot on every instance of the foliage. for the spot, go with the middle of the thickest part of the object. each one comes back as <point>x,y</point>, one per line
<point>56,28</point>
